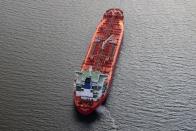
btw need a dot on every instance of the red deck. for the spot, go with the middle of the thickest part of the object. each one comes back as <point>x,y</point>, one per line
<point>105,60</point>
<point>103,50</point>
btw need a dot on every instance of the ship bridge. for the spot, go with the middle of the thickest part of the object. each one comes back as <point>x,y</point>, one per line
<point>90,84</point>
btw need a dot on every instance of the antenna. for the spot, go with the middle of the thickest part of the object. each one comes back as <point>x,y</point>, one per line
<point>90,70</point>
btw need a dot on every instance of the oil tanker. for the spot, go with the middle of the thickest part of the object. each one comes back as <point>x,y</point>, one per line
<point>93,82</point>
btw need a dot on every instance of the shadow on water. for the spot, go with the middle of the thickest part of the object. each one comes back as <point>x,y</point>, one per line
<point>86,119</point>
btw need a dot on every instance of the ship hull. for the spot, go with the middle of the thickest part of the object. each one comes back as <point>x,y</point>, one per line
<point>109,30</point>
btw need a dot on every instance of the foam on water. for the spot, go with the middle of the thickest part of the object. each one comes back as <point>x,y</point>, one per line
<point>103,110</point>
<point>43,42</point>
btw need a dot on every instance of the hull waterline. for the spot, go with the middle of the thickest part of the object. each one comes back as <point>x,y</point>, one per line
<point>93,82</point>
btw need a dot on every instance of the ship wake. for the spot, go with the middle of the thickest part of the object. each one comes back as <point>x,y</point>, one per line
<point>103,110</point>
